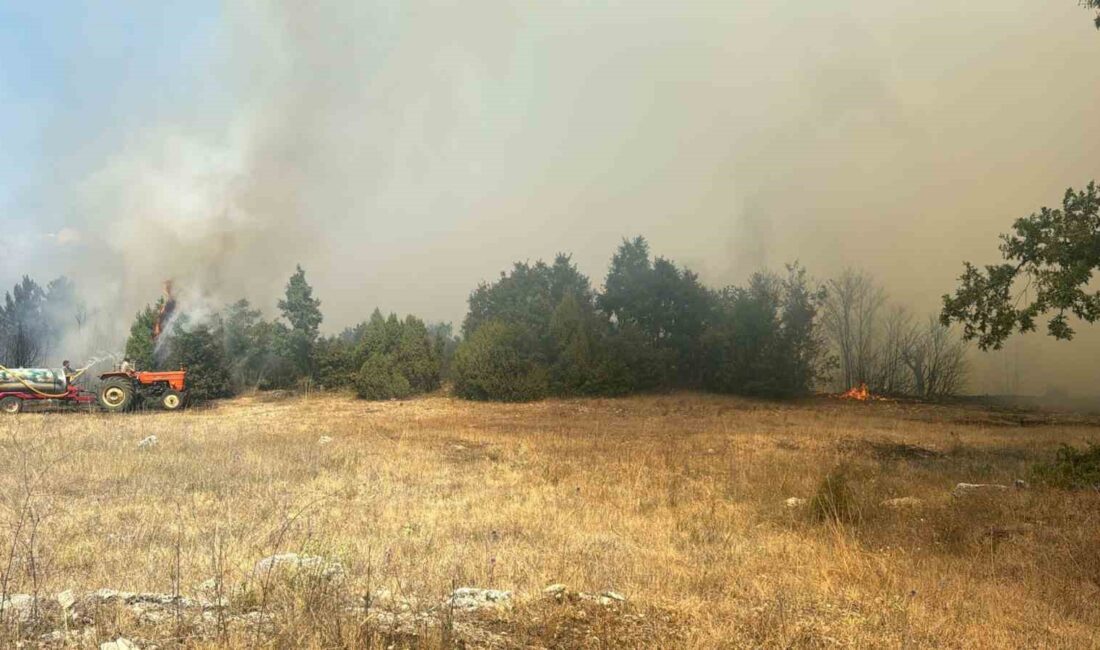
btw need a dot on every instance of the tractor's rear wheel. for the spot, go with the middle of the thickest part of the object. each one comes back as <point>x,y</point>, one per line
<point>116,395</point>
<point>11,404</point>
<point>171,400</point>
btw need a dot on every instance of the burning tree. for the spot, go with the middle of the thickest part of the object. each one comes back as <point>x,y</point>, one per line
<point>149,324</point>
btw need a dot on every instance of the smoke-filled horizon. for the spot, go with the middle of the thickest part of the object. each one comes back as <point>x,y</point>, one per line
<point>402,154</point>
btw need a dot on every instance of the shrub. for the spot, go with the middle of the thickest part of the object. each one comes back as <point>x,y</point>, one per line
<point>400,358</point>
<point>500,362</point>
<point>835,499</point>
<point>199,350</point>
<point>381,378</point>
<point>1072,469</point>
<point>336,366</point>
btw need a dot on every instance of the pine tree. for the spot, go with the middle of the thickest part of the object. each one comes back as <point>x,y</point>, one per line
<point>303,312</point>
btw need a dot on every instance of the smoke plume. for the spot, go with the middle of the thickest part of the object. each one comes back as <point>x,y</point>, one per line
<point>402,151</point>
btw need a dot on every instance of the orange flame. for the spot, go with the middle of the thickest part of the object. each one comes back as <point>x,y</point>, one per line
<point>860,393</point>
<point>167,306</point>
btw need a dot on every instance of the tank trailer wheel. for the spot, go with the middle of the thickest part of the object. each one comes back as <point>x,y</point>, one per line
<point>11,404</point>
<point>116,395</point>
<point>171,400</point>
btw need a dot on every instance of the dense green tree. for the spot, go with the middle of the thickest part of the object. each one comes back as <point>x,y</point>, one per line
<point>397,358</point>
<point>336,362</point>
<point>140,346</point>
<point>551,309</point>
<point>251,346</point>
<point>527,297</point>
<point>303,312</point>
<point>24,329</point>
<point>200,349</point>
<point>740,344</point>
<point>381,378</point>
<point>585,361</point>
<point>500,361</point>
<point>666,304</point>
<point>764,339</point>
<point>277,368</point>
<point>1053,253</point>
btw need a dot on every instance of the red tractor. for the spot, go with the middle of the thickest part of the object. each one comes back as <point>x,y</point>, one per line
<point>121,391</point>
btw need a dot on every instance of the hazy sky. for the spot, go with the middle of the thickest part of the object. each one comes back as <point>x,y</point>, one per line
<point>402,152</point>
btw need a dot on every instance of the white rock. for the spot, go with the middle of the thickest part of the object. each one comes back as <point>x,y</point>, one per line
<point>149,442</point>
<point>324,440</point>
<point>794,502</point>
<point>902,502</point>
<point>118,644</point>
<point>319,565</point>
<point>556,590</point>
<point>611,598</point>
<point>471,598</point>
<point>18,606</point>
<point>66,599</point>
<point>964,489</point>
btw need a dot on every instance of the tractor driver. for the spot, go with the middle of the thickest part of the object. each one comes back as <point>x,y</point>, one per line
<point>68,370</point>
<point>126,367</point>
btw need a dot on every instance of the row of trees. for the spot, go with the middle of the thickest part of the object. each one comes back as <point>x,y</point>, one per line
<point>237,349</point>
<point>542,330</point>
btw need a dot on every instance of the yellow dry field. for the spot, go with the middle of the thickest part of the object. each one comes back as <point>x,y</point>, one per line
<point>676,502</point>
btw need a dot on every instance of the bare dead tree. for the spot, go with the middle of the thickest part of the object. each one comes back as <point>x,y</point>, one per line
<point>898,335</point>
<point>937,361</point>
<point>850,320</point>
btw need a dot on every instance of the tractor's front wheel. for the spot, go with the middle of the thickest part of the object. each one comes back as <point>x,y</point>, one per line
<point>116,395</point>
<point>171,400</point>
<point>11,404</point>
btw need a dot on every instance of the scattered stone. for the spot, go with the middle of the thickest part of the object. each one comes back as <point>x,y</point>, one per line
<point>1021,484</point>
<point>902,502</point>
<point>66,599</point>
<point>312,563</point>
<point>556,591</point>
<point>794,502</point>
<point>611,598</point>
<point>965,489</point>
<point>324,440</point>
<point>21,607</point>
<point>120,643</point>
<point>149,442</point>
<point>472,598</point>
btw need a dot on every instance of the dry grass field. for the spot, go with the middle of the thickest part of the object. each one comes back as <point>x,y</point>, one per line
<point>676,502</point>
